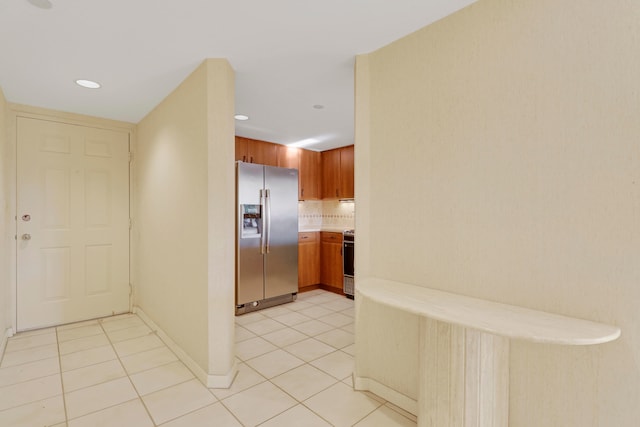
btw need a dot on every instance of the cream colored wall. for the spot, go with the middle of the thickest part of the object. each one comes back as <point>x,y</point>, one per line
<point>6,233</point>
<point>183,216</point>
<point>505,145</point>
<point>221,219</point>
<point>362,170</point>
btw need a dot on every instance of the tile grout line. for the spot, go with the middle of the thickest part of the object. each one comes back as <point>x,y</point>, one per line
<point>153,332</point>
<point>104,382</point>
<point>29,361</point>
<point>338,381</point>
<point>127,375</point>
<point>380,403</point>
<point>82,367</point>
<point>191,379</point>
<point>64,398</point>
<point>299,402</point>
<point>100,322</point>
<point>333,327</point>
<point>229,409</point>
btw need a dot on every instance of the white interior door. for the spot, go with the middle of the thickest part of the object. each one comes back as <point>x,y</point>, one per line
<point>73,223</point>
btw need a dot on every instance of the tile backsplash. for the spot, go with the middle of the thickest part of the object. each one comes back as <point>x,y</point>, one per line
<point>318,214</point>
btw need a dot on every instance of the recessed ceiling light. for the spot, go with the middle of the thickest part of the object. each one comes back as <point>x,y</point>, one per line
<point>318,106</point>
<point>89,84</point>
<point>241,117</point>
<point>42,4</point>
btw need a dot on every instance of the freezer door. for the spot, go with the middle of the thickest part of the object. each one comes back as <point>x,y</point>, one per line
<point>281,211</point>
<point>249,233</point>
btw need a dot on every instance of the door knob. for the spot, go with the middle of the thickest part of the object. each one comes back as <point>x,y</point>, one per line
<point>26,236</point>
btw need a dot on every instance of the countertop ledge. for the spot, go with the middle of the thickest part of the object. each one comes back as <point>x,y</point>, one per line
<point>500,319</point>
<point>328,229</point>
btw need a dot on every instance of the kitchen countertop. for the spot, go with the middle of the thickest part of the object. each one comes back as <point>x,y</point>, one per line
<point>328,229</point>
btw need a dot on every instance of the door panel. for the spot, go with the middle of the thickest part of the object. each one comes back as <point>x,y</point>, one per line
<point>73,181</point>
<point>281,264</point>
<point>249,257</point>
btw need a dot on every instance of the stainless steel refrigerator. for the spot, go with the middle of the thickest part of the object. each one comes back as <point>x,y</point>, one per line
<point>266,236</point>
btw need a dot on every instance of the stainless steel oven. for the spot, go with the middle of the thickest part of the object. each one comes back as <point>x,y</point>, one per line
<point>348,251</point>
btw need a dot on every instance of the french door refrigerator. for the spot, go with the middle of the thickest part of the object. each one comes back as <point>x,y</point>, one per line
<point>266,236</point>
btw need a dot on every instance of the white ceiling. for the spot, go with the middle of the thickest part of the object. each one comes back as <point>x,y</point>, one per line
<point>288,55</point>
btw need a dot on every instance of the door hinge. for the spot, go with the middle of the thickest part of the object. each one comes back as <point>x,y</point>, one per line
<point>130,156</point>
<point>130,223</point>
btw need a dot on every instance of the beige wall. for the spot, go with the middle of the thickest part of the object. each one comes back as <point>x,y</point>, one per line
<point>221,216</point>
<point>505,145</point>
<point>6,233</point>
<point>183,216</point>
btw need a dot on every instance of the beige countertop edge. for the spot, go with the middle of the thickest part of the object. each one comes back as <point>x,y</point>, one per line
<point>496,318</point>
<point>329,229</point>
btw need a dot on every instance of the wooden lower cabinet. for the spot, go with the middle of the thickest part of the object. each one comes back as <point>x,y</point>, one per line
<point>331,260</point>
<point>308,259</point>
<point>320,261</point>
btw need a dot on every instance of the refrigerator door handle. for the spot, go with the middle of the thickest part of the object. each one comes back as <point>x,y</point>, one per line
<point>268,228</point>
<point>262,210</point>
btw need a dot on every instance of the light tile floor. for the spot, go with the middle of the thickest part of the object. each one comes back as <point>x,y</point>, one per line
<point>295,366</point>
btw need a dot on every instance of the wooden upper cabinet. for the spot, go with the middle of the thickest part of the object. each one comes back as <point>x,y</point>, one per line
<point>308,164</point>
<point>309,175</point>
<point>242,147</point>
<point>337,173</point>
<point>255,151</point>
<point>346,188</point>
<point>263,153</point>
<point>288,157</point>
<point>330,174</point>
<point>266,153</point>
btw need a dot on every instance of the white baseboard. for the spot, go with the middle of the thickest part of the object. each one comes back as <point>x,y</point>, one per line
<point>367,384</point>
<point>8,333</point>
<point>211,381</point>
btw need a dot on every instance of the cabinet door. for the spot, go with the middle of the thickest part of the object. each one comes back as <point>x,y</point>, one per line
<point>330,174</point>
<point>262,152</point>
<point>242,145</point>
<point>346,188</point>
<point>331,260</point>
<point>288,157</point>
<point>309,175</point>
<point>308,259</point>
